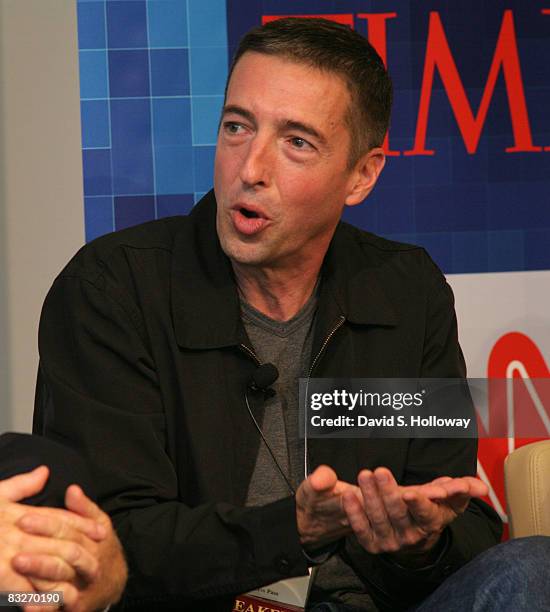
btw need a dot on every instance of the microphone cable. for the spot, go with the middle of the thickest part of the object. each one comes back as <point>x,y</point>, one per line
<point>261,380</point>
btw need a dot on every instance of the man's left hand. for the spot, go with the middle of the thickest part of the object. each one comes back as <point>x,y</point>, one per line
<point>406,521</point>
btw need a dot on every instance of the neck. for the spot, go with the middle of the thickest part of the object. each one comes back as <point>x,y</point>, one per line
<point>278,294</point>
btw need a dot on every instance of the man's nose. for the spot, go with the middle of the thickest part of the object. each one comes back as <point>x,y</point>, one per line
<point>257,163</point>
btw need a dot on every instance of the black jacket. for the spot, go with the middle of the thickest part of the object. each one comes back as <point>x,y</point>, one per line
<point>144,362</point>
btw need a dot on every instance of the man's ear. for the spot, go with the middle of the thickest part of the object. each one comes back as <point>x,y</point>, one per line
<point>364,175</point>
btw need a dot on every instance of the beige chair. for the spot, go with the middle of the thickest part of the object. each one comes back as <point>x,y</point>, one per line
<point>527,480</point>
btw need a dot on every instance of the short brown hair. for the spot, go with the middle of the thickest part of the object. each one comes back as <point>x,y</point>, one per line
<point>335,48</point>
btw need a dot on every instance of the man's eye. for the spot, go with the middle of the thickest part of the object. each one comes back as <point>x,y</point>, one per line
<point>300,143</point>
<point>233,128</point>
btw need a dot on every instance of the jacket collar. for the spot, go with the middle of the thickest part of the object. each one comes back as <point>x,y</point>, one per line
<point>205,303</point>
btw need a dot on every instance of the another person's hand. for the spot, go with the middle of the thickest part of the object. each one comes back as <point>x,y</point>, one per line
<point>406,521</point>
<point>13,490</point>
<point>13,540</point>
<point>320,514</point>
<point>93,587</point>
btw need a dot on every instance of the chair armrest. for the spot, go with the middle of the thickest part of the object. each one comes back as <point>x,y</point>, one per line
<point>527,482</point>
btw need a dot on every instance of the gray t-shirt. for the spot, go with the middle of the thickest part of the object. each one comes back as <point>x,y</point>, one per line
<point>288,346</point>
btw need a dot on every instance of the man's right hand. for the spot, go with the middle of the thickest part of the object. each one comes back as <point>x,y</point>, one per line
<point>320,514</point>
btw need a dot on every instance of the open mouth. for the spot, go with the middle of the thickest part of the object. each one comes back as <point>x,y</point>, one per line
<point>247,220</point>
<point>249,214</point>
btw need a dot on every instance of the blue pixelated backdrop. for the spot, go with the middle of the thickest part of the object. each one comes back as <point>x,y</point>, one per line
<point>468,172</point>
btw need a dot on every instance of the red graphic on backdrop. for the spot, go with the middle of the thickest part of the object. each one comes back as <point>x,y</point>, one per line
<point>439,56</point>
<point>513,356</point>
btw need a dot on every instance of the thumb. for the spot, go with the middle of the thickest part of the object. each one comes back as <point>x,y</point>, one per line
<point>77,501</point>
<point>24,485</point>
<point>323,479</point>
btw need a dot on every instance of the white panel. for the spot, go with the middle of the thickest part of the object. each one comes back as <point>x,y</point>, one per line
<point>492,304</point>
<point>40,178</point>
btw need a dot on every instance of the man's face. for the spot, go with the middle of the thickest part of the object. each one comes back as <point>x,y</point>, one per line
<point>281,177</point>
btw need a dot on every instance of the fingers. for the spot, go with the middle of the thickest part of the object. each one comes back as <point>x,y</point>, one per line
<point>10,579</point>
<point>393,518</point>
<point>467,485</point>
<point>434,490</point>
<point>374,505</point>
<point>445,487</point>
<point>458,492</point>
<point>477,487</point>
<point>358,521</point>
<point>396,508</point>
<point>77,501</point>
<point>441,480</point>
<point>451,495</point>
<point>381,522</point>
<point>24,485</point>
<point>44,566</point>
<point>70,594</point>
<point>390,518</point>
<point>423,510</point>
<point>80,559</point>
<point>62,527</point>
<point>386,512</point>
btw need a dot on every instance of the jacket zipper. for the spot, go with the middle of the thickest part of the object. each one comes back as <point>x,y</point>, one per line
<point>251,353</point>
<point>336,327</point>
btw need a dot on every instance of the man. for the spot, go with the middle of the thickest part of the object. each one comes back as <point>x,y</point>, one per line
<point>150,336</point>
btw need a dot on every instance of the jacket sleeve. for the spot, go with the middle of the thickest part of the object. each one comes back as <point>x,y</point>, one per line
<point>394,587</point>
<point>98,393</point>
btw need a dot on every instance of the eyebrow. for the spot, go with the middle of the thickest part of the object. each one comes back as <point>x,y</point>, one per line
<point>290,124</point>
<point>284,124</point>
<point>238,110</point>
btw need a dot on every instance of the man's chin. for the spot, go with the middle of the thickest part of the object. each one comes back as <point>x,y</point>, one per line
<point>243,254</point>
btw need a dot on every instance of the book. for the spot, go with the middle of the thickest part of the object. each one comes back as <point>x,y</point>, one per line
<point>283,596</point>
<point>250,603</point>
